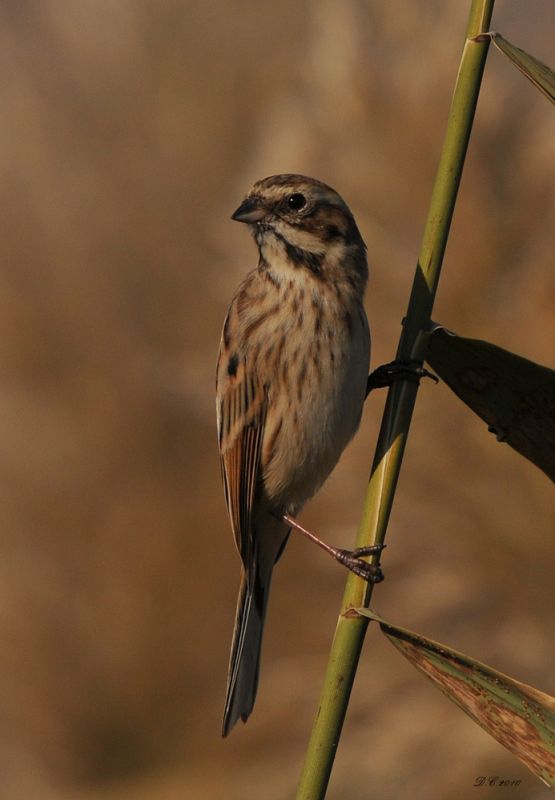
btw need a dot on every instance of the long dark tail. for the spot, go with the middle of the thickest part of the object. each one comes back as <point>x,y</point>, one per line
<point>270,536</point>
<point>244,664</point>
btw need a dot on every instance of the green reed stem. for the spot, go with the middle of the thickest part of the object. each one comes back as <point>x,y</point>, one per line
<point>350,631</point>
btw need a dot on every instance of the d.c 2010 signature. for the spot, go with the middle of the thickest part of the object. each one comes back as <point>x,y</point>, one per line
<point>495,780</point>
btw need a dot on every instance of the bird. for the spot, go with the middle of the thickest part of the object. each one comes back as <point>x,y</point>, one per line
<point>290,388</point>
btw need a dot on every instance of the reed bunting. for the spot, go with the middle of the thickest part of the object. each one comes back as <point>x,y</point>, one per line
<point>291,383</point>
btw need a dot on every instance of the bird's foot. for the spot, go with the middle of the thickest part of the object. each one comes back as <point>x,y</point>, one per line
<point>394,371</point>
<point>353,560</point>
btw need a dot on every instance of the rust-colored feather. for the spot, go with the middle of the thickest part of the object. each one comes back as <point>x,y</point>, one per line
<point>241,417</point>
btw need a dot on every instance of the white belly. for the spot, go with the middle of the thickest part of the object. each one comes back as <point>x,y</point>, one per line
<point>318,422</point>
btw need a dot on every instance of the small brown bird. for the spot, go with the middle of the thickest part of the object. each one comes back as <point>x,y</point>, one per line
<point>291,383</point>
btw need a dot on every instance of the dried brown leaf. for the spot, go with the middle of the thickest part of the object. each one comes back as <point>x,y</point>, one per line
<point>519,716</point>
<point>515,396</point>
<point>538,73</point>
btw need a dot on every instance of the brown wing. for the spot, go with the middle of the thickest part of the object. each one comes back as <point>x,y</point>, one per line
<point>241,407</point>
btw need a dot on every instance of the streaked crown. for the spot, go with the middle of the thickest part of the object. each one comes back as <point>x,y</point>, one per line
<point>296,205</point>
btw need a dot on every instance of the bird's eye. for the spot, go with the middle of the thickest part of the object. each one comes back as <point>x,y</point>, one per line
<point>296,201</point>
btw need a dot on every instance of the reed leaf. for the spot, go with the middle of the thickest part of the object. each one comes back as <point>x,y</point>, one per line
<point>538,73</point>
<point>514,396</point>
<point>518,716</point>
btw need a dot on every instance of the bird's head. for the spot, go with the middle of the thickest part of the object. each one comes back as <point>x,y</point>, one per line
<point>301,217</point>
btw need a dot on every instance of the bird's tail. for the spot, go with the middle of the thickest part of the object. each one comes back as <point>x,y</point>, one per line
<point>242,681</point>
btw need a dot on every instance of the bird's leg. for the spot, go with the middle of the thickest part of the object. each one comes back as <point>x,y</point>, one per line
<point>352,559</point>
<point>397,371</point>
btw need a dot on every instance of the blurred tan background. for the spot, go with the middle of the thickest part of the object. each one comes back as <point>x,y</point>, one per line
<point>130,131</point>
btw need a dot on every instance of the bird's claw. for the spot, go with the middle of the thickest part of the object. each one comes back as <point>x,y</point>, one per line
<point>387,374</point>
<point>353,560</point>
<point>369,550</point>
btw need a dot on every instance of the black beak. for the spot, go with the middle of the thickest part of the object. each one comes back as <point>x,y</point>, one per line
<point>250,210</point>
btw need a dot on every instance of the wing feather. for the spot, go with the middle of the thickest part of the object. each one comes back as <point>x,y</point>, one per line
<point>242,407</point>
